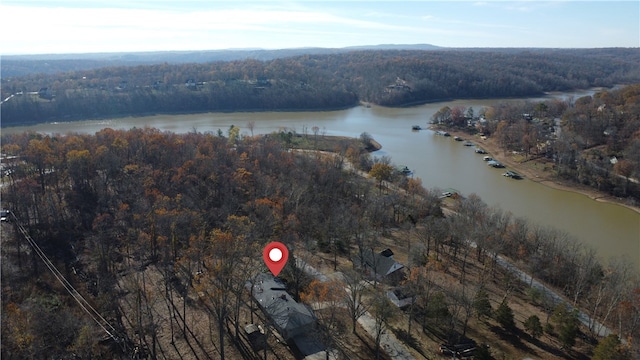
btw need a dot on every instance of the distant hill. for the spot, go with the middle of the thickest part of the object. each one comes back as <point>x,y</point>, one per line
<point>20,65</point>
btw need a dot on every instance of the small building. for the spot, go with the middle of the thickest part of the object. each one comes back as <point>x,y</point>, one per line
<point>4,215</point>
<point>401,297</point>
<point>256,336</point>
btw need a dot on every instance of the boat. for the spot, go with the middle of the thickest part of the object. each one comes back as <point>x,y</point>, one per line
<point>404,169</point>
<point>446,134</point>
<point>480,151</point>
<point>416,127</point>
<point>468,143</point>
<point>457,138</point>
<point>512,174</point>
<point>450,192</point>
<point>487,158</point>
<point>495,164</point>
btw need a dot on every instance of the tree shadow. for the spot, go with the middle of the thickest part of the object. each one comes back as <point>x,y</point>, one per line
<point>512,336</point>
<point>555,351</point>
<point>370,353</point>
<point>408,339</point>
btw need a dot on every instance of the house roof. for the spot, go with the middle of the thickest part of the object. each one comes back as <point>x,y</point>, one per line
<point>288,316</point>
<point>400,297</point>
<point>382,263</point>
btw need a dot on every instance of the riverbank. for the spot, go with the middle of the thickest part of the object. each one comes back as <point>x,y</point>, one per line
<point>539,170</point>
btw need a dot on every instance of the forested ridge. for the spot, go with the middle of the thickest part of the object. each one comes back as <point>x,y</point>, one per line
<point>311,82</point>
<point>160,232</point>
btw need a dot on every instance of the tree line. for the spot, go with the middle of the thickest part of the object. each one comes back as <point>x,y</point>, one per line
<point>310,82</point>
<point>161,232</point>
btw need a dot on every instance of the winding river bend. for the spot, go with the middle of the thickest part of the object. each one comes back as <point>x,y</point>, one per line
<point>611,229</point>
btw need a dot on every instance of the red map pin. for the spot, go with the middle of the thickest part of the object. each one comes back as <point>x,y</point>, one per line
<point>275,256</point>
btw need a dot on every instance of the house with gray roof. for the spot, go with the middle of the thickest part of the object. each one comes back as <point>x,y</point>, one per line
<point>289,317</point>
<point>383,266</point>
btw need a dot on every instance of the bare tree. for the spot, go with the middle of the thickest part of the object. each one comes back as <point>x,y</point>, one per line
<point>383,311</point>
<point>606,295</point>
<point>251,124</point>
<point>355,291</point>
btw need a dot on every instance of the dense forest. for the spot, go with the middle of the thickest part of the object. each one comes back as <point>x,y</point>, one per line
<point>20,65</point>
<point>592,140</point>
<point>310,82</point>
<point>157,234</point>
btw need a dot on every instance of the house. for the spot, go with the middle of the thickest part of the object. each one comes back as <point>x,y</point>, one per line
<point>191,84</point>
<point>382,265</point>
<point>45,93</point>
<point>399,85</point>
<point>287,316</point>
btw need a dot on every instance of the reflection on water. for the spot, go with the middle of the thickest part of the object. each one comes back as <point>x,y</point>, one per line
<point>440,162</point>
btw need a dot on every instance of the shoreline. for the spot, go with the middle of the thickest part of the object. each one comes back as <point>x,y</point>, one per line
<point>541,177</point>
<point>359,102</point>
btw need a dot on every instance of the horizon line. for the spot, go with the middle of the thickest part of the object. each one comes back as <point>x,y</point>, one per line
<point>355,47</point>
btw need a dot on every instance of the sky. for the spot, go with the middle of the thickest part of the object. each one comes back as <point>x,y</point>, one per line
<point>90,26</point>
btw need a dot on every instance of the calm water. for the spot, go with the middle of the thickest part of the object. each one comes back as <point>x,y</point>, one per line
<point>440,162</point>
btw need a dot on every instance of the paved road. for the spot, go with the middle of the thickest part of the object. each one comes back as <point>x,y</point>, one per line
<point>557,299</point>
<point>391,345</point>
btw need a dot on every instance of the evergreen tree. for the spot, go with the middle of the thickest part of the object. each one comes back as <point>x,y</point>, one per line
<point>533,326</point>
<point>482,305</point>
<point>504,316</point>
<point>610,348</point>
<point>566,324</point>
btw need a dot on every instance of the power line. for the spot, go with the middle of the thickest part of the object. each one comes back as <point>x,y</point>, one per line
<point>93,313</point>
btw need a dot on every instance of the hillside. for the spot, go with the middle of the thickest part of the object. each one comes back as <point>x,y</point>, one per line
<point>310,82</point>
<point>159,233</point>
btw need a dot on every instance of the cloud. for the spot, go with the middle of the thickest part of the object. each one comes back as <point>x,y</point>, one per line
<point>107,27</point>
<point>37,26</point>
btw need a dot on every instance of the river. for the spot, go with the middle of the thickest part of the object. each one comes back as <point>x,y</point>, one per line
<point>612,230</point>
